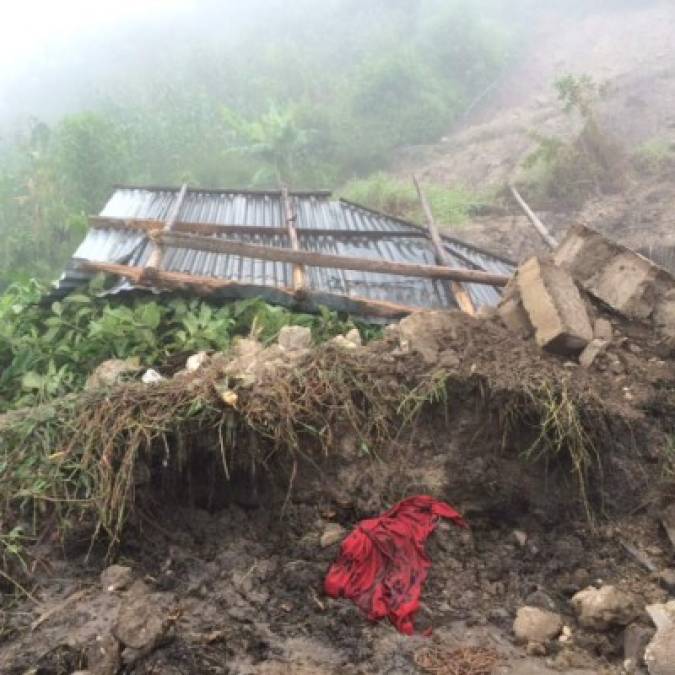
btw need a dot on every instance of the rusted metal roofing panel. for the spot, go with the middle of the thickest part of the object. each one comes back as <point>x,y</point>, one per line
<point>313,211</point>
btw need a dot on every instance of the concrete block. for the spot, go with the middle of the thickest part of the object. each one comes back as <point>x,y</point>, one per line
<point>514,317</point>
<point>626,283</point>
<point>554,306</point>
<point>621,278</point>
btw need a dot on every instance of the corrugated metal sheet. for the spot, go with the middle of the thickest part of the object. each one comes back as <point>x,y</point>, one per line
<point>314,211</point>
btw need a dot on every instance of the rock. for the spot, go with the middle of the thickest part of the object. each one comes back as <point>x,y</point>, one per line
<point>292,338</point>
<point>354,336</point>
<point>196,361</point>
<point>602,330</point>
<point>664,315</point>
<point>103,658</point>
<point>593,349</point>
<point>514,317</point>
<point>668,522</point>
<point>660,653</point>
<point>667,579</point>
<point>151,377</point>
<point>623,279</point>
<point>534,625</point>
<point>341,342</point>
<point>601,608</point>
<point>112,372</point>
<point>635,641</point>
<point>116,578</point>
<point>554,306</point>
<point>143,620</point>
<point>333,534</point>
<point>426,333</point>
<point>512,313</point>
<point>520,537</point>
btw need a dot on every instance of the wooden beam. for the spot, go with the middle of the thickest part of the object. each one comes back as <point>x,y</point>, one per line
<point>146,225</point>
<point>155,260</point>
<point>458,290</point>
<point>208,285</point>
<point>542,230</point>
<point>289,217</point>
<point>326,260</point>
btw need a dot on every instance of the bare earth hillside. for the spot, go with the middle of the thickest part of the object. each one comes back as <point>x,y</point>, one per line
<point>630,50</point>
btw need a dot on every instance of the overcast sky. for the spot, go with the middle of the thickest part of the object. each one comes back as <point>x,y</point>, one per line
<point>30,28</point>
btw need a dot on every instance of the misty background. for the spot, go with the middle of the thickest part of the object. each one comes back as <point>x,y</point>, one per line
<point>225,93</point>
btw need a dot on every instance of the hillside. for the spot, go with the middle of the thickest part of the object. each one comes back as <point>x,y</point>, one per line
<point>631,52</point>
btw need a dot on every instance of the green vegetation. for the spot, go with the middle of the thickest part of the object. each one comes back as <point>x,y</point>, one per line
<point>655,155</point>
<point>47,352</point>
<point>590,164</point>
<point>317,102</point>
<point>383,192</point>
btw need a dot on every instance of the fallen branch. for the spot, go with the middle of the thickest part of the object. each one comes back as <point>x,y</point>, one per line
<point>534,219</point>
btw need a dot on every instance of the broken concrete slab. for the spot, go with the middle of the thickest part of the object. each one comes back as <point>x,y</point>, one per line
<point>623,279</point>
<point>554,306</point>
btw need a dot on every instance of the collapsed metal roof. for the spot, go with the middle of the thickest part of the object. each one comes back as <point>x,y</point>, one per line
<point>122,235</point>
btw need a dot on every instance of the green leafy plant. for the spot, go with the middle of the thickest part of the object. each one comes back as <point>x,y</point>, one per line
<point>49,351</point>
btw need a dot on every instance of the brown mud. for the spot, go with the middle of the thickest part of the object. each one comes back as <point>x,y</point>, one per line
<point>234,572</point>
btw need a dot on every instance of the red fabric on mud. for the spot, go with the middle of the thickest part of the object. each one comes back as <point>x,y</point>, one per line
<point>382,564</point>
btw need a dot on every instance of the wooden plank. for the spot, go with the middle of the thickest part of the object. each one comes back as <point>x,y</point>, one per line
<point>459,292</point>
<point>299,281</point>
<point>145,225</point>
<point>155,260</point>
<point>208,285</point>
<point>538,225</point>
<point>312,259</point>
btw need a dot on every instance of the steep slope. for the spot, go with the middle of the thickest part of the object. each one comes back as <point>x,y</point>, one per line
<point>632,52</point>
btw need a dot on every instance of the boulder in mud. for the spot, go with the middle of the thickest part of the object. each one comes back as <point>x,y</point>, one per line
<point>602,608</point>
<point>536,625</point>
<point>593,349</point>
<point>426,332</point>
<point>144,619</point>
<point>103,657</point>
<point>116,578</point>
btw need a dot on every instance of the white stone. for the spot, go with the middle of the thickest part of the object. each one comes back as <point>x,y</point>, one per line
<point>536,625</point>
<point>601,608</point>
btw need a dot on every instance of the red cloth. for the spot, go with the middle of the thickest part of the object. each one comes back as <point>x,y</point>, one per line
<point>382,564</point>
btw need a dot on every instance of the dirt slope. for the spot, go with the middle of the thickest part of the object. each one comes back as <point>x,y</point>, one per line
<point>630,49</point>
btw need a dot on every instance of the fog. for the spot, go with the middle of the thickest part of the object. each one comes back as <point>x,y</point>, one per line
<point>60,57</point>
<point>223,92</point>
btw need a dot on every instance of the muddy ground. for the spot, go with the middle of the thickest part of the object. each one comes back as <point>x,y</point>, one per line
<point>231,581</point>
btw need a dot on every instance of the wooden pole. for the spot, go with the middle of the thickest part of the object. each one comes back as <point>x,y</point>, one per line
<point>543,231</point>
<point>312,259</point>
<point>155,259</point>
<point>459,292</point>
<point>207,285</point>
<point>289,218</point>
<point>146,225</point>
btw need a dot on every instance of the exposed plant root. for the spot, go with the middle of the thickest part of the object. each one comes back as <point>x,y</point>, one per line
<point>462,661</point>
